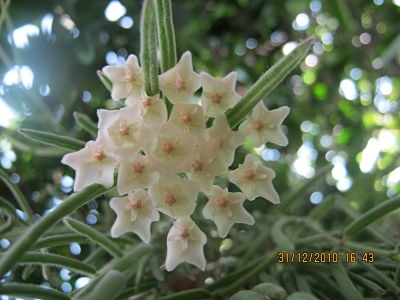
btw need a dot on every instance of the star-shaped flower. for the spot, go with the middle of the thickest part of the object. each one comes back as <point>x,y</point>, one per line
<point>190,118</point>
<point>185,243</point>
<point>174,196</point>
<point>264,125</point>
<point>135,213</point>
<point>254,179</point>
<point>122,128</point>
<point>152,110</point>
<point>127,80</point>
<point>92,164</point>
<point>174,150</point>
<point>228,139</point>
<point>218,94</point>
<point>135,173</point>
<point>180,82</point>
<point>207,164</point>
<point>225,209</point>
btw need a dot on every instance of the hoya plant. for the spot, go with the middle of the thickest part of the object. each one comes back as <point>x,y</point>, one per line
<point>175,165</point>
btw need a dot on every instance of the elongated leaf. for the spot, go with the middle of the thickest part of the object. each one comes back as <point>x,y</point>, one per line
<point>267,82</point>
<point>282,242</point>
<point>33,233</point>
<point>108,286</point>
<point>86,124</point>
<point>372,215</point>
<point>52,139</point>
<point>31,291</point>
<point>19,196</point>
<point>347,287</point>
<point>148,48</point>
<point>59,240</point>
<point>94,236</point>
<point>58,260</point>
<point>189,294</point>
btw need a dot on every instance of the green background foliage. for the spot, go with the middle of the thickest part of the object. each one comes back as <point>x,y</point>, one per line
<point>342,161</point>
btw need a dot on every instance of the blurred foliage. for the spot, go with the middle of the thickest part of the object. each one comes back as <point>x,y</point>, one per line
<point>344,131</point>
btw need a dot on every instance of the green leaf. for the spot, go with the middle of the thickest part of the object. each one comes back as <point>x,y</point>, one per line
<point>346,286</point>
<point>60,239</point>
<point>52,139</point>
<point>108,287</point>
<point>33,233</point>
<point>58,260</point>
<point>148,48</point>
<point>282,242</point>
<point>31,291</point>
<point>372,215</point>
<point>166,34</point>
<point>105,80</point>
<point>194,294</point>
<point>86,123</point>
<point>267,82</point>
<point>18,195</point>
<point>95,236</point>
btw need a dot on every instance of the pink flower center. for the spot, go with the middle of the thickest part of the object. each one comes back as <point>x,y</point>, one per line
<point>223,202</point>
<point>216,98</point>
<point>170,199</point>
<point>130,77</point>
<point>99,155</point>
<point>168,148</point>
<point>135,204</point>
<point>184,233</point>
<point>180,85</point>
<point>197,165</point>
<point>258,125</point>
<point>146,102</point>
<point>249,174</point>
<point>138,167</point>
<point>123,130</point>
<point>185,117</point>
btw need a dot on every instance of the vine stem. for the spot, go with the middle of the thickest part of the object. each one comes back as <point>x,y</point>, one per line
<point>33,233</point>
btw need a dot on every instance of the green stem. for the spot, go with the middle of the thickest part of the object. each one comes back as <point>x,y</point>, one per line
<point>372,215</point>
<point>267,260</point>
<point>18,195</point>
<point>94,235</point>
<point>148,50</point>
<point>31,291</point>
<point>166,34</point>
<point>267,82</point>
<point>31,235</point>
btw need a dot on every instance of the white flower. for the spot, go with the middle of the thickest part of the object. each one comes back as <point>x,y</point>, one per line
<point>207,164</point>
<point>190,118</point>
<point>264,125</point>
<point>174,196</point>
<point>122,128</point>
<point>218,93</point>
<point>180,82</point>
<point>127,80</point>
<point>135,213</point>
<point>92,164</point>
<point>225,209</point>
<point>137,173</point>
<point>152,110</point>
<point>174,150</point>
<point>228,140</point>
<point>185,243</point>
<point>254,179</point>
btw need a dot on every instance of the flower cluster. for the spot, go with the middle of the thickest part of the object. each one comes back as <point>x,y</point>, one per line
<point>165,160</point>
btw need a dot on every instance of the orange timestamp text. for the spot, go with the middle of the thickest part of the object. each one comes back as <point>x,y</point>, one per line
<point>326,257</point>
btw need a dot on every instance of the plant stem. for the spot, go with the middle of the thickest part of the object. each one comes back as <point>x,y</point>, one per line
<point>148,50</point>
<point>31,235</point>
<point>267,82</point>
<point>166,34</point>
